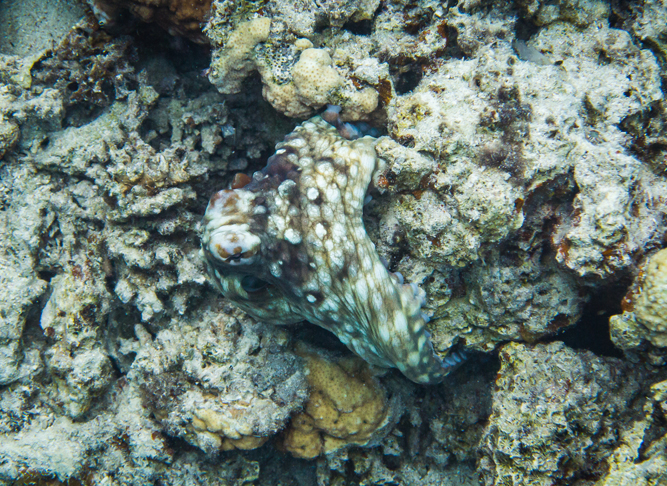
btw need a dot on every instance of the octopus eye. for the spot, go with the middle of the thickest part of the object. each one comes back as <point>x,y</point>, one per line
<point>252,284</point>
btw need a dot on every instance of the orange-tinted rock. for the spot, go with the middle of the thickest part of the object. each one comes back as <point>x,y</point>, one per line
<point>178,17</point>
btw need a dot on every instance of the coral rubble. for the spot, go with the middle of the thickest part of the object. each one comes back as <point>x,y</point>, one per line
<point>517,161</point>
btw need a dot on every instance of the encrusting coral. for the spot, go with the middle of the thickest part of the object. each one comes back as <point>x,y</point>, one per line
<point>347,405</point>
<point>645,307</point>
<point>297,78</point>
<point>291,245</point>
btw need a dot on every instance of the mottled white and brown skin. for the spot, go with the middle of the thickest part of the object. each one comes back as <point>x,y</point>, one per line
<point>291,245</point>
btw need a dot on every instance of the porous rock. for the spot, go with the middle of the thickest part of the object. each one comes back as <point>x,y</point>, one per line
<point>554,411</point>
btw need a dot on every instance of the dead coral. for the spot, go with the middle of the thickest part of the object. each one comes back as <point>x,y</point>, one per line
<point>223,383</point>
<point>89,68</point>
<point>554,414</point>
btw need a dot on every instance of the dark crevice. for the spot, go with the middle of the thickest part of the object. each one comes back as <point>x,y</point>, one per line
<point>362,27</point>
<point>296,471</point>
<point>452,50</point>
<point>33,332</point>
<point>524,29</point>
<point>621,13</point>
<point>319,337</point>
<point>648,129</point>
<point>46,275</point>
<point>407,78</point>
<point>321,24</point>
<point>591,332</point>
<point>184,55</point>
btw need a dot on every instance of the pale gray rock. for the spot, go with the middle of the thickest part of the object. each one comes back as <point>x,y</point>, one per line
<point>553,410</point>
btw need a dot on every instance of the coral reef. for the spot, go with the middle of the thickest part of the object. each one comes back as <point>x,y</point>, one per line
<point>520,184</point>
<point>99,184</point>
<point>490,171</point>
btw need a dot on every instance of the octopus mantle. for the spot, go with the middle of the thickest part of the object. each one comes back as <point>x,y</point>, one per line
<point>290,246</point>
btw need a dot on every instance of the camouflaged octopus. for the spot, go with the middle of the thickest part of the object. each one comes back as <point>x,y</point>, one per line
<point>290,245</point>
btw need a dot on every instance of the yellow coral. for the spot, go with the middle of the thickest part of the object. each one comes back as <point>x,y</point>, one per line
<point>228,427</point>
<point>314,77</point>
<point>347,405</point>
<point>231,65</point>
<point>646,317</point>
<point>651,305</point>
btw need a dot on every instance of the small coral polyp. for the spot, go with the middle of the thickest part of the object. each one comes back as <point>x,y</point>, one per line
<point>291,246</point>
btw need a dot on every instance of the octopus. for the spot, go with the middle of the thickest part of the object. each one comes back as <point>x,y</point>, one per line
<point>289,245</point>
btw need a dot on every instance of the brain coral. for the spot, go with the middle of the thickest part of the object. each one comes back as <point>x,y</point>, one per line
<point>291,245</point>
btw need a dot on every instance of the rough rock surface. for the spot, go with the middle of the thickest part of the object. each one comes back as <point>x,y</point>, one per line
<point>199,390</point>
<point>640,457</point>
<point>554,414</point>
<point>496,172</point>
<point>525,188</point>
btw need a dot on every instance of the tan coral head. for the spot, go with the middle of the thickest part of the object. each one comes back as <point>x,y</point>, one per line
<point>291,245</point>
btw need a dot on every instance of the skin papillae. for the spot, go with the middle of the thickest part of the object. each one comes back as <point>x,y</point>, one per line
<point>290,245</point>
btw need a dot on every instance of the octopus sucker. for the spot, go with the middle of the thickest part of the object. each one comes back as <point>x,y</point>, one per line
<point>289,245</point>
